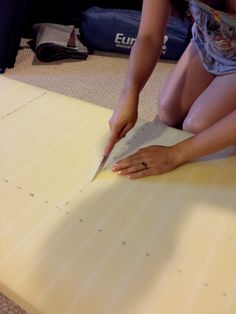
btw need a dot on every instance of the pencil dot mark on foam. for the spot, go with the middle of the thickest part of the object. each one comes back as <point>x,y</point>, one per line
<point>31,194</point>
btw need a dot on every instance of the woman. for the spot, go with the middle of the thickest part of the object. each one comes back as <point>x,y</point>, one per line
<point>199,95</point>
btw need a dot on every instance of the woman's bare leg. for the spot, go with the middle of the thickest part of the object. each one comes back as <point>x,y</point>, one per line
<point>187,81</point>
<point>216,102</point>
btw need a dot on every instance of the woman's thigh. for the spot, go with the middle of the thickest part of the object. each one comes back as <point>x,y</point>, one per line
<point>216,102</point>
<point>183,86</point>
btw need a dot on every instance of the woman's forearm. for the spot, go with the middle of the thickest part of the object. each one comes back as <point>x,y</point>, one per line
<point>141,67</point>
<point>147,47</point>
<point>217,137</point>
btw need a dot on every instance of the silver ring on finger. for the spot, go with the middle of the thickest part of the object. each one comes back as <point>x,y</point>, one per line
<point>145,165</point>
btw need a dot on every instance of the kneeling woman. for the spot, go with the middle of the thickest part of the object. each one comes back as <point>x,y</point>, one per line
<point>199,95</point>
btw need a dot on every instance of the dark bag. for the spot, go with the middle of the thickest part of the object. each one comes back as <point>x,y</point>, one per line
<point>12,16</point>
<point>115,30</point>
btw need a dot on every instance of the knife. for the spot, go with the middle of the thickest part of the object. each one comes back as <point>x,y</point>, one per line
<point>100,167</point>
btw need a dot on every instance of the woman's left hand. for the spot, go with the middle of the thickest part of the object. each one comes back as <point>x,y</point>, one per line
<point>149,161</point>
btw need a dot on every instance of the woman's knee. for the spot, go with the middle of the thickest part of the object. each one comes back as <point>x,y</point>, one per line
<point>194,124</point>
<point>166,109</point>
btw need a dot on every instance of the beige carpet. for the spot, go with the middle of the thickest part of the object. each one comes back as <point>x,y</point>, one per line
<point>98,80</point>
<point>8,307</point>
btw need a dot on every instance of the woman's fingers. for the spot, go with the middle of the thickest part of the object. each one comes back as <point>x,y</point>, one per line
<point>129,169</point>
<point>147,161</point>
<point>113,139</point>
<point>142,174</point>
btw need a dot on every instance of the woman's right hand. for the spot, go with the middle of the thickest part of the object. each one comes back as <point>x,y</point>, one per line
<point>122,120</point>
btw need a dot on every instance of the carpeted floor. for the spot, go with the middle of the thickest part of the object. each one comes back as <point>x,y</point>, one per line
<point>8,307</point>
<point>98,80</point>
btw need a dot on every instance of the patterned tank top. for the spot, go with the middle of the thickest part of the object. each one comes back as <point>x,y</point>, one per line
<point>214,34</point>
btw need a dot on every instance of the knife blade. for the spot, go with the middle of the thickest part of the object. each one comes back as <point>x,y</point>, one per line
<point>100,167</point>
